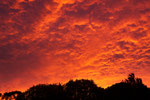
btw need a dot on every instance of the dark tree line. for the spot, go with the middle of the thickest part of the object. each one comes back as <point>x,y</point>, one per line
<point>130,89</point>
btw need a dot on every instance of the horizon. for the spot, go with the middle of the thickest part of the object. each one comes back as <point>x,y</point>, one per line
<point>98,85</point>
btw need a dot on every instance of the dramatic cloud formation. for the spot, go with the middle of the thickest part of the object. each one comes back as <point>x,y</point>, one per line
<point>51,41</point>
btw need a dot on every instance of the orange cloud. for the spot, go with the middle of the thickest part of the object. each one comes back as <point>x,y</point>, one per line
<point>50,41</point>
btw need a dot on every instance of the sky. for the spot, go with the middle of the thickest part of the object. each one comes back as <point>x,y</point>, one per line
<point>52,41</point>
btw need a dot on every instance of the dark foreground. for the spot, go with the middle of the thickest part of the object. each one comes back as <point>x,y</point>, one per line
<point>130,89</point>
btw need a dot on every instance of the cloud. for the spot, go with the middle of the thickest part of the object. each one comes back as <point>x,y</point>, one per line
<point>48,41</point>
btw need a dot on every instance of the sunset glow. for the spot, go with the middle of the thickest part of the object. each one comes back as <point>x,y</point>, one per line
<point>52,41</point>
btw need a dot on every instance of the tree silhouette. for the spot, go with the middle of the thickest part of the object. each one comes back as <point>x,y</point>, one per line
<point>11,95</point>
<point>43,92</point>
<point>131,88</point>
<point>131,79</point>
<point>83,90</point>
<point>139,81</point>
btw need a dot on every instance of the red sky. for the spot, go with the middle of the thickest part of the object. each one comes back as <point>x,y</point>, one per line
<point>51,41</point>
